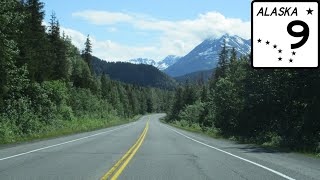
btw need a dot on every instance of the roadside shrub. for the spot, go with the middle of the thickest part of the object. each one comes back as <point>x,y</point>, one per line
<point>57,91</point>
<point>196,126</point>
<point>177,123</point>
<point>184,123</point>
<point>66,113</point>
<point>41,104</point>
<point>84,104</point>
<point>8,130</point>
<point>192,113</point>
<point>276,140</point>
<point>20,112</point>
<point>271,139</point>
<point>214,132</point>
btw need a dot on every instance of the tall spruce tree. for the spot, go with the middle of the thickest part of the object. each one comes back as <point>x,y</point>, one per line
<point>223,62</point>
<point>59,65</point>
<point>233,55</point>
<point>86,53</point>
<point>32,42</point>
<point>221,68</point>
<point>104,86</point>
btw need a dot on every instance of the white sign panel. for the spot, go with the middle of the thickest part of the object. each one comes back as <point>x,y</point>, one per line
<point>285,34</point>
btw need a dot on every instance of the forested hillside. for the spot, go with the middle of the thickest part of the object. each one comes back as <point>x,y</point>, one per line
<point>138,74</point>
<point>270,107</point>
<point>46,84</point>
<point>195,77</point>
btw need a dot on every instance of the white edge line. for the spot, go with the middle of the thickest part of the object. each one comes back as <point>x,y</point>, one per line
<point>67,142</point>
<point>251,162</point>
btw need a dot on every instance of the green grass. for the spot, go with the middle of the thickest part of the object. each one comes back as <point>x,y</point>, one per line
<point>211,133</point>
<point>72,127</point>
<point>215,134</point>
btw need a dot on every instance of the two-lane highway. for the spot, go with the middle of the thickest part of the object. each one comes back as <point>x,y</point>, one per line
<point>148,149</point>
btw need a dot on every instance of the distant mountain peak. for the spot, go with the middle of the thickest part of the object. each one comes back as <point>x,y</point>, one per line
<point>205,55</point>
<point>168,61</point>
<point>227,35</point>
<point>143,61</point>
<point>161,65</point>
<point>172,56</point>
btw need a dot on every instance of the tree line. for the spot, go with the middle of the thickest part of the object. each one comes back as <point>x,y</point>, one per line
<point>273,107</point>
<point>45,81</point>
<point>139,74</point>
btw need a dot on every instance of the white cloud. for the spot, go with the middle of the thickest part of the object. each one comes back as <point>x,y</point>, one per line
<point>103,17</point>
<point>112,29</point>
<point>77,37</point>
<point>177,37</point>
<point>113,51</point>
<point>108,50</point>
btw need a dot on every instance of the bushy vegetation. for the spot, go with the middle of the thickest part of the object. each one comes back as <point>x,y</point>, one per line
<point>47,87</point>
<point>270,107</point>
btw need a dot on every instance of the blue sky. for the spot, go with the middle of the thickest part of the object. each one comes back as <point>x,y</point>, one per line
<point>121,30</point>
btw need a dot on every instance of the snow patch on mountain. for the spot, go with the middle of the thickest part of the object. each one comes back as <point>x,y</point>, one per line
<point>205,56</point>
<point>161,65</point>
<point>143,61</point>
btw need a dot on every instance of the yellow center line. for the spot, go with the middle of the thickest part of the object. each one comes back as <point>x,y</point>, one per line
<point>130,152</point>
<point>117,174</point>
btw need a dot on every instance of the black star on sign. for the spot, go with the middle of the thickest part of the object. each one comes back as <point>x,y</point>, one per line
<point>309,11</point>
<point>259,40</point>
<point>291,60</point>
<point>280,58</point>
<point>280,51</point>
<point>267,42</point>
<point>293,53</point>
<point>275,46</point>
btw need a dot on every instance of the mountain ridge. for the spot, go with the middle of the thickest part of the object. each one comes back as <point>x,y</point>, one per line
<point>205,55</point>
<point>161,65</point>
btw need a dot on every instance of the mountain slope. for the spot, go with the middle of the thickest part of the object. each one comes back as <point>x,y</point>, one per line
<point>139,74</point>
<point>168,61</point>
<point>205,55</point>
<point>165,63</point>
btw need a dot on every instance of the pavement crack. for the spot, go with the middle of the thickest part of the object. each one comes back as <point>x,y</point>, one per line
<point>194,160</point>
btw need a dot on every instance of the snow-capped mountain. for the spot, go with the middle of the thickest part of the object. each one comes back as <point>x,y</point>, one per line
<point>161,65</point>
<point>168,61</point>
<point>143,61</point>
<point>205,55</point>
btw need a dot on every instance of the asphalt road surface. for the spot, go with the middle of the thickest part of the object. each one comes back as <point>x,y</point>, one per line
<point>148,149</point>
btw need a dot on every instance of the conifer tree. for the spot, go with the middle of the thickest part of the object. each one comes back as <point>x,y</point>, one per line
<point>86,53</point>
<point>59,65</point>
<point>223,62</point>
<point>33,42</point>
<point>221,68</point>
<point>104,86</point>
<point>233,55</point>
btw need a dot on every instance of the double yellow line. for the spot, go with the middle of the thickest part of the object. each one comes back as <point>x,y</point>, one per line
<point>126,157</point>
